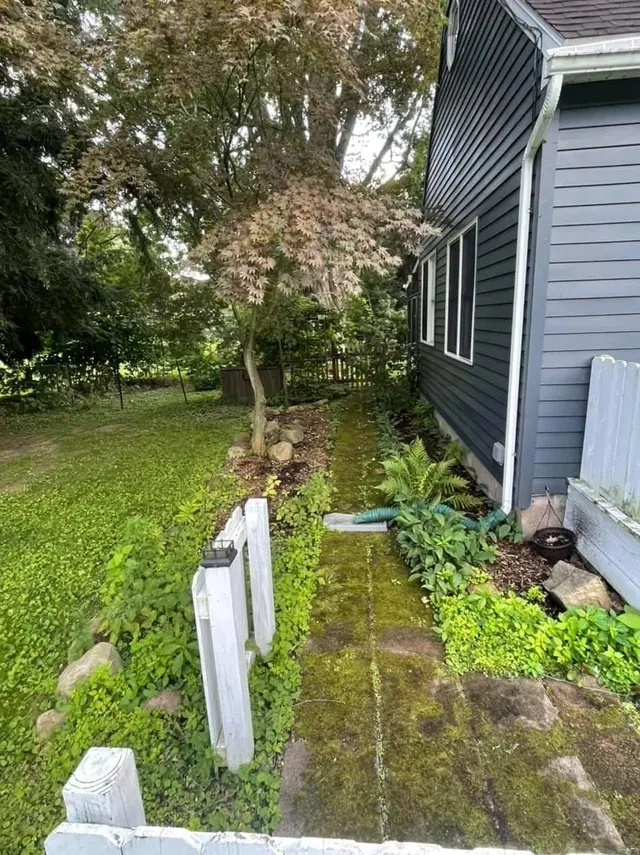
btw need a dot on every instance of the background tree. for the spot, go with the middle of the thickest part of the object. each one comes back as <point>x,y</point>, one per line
<point>233,123</point>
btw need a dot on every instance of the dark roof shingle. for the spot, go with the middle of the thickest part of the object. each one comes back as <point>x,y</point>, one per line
<point>579,19</point>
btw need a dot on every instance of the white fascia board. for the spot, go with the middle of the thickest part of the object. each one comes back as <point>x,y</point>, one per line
<point>522,11</point>
<point>596,59</point>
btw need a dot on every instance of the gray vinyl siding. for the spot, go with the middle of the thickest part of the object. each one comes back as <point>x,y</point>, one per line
<point>482,118</point>
<point>593,290</point>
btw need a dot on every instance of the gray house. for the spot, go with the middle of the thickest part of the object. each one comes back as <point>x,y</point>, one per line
<point>533,177</point>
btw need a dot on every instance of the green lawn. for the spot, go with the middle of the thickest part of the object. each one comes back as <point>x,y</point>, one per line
<point>68,482</point>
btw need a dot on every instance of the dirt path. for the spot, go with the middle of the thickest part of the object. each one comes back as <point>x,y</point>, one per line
<point>389,745</point>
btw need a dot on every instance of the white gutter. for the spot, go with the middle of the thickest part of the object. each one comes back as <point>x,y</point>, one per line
<point>571,63</point>
<point>554,88</point>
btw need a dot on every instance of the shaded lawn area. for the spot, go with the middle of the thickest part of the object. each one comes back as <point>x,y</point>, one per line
<point>68,482</point>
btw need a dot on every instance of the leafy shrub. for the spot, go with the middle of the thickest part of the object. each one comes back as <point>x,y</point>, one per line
<point>599,642</point>
<point>440,551</point>
<point>412,476</point>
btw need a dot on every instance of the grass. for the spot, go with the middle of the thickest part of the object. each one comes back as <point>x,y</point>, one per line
<point>68,482</point>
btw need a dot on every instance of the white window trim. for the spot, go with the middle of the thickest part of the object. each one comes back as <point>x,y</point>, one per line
<point>455,355</point>
<point>452,35</point>
<point>429,263</point>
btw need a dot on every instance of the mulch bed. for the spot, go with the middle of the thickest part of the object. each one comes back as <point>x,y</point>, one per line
<point>309,456</point>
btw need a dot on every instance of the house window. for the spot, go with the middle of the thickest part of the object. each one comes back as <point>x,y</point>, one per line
<point>453,29</point>
<point>461,294</point>
<point>428,302</point>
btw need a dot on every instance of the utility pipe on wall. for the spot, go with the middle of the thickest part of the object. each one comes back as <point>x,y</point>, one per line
<point>554,88</point>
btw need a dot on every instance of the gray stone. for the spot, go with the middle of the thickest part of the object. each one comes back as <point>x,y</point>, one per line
<point>412,641</point>
<point>236,452</point>
<point>281,452</point>
<point>569,769</point>
<point>94,627</point>
<point>168,700</point>
<point>344,522</point>
<point>573,587</point>
<point>80,670</point>
<point>272,429</point>
<point>292,435</point>
<point>47,722</point>
<point>508,702</point>
<point>595,825</point>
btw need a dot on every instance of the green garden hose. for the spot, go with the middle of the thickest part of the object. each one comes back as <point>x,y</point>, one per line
<point>387,514</point>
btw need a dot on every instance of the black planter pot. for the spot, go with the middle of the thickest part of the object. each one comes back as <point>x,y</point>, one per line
<point>560,551</point>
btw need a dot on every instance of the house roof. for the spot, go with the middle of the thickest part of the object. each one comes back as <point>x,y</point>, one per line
<point>579,19</point>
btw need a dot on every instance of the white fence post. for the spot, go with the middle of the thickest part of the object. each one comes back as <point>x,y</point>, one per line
<point>104,789</point>
<point>259,547</point>
<point>230,667</point>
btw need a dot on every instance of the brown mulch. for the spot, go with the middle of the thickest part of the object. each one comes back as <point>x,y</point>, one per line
<point>309,456</point>
<point>519,567</point>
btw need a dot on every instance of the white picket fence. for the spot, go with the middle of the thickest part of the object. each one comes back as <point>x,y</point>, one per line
<point>105,816</point>
<point>603,505</point>
<point>611,451</point>
<point>224,626</point>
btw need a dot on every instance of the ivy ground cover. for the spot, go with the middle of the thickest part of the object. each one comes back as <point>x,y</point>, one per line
<point>68,482</point>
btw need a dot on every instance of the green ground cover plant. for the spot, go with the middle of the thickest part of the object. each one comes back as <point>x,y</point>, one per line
<point>69,481</point>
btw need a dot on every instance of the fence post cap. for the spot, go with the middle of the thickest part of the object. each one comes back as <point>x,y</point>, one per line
<point>98,770</point>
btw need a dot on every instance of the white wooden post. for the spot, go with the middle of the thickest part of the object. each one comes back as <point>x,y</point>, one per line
<point>259,546</point>
<point>104,789</point>
<point>230,668</point>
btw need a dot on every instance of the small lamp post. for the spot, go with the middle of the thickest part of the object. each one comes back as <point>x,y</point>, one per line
<point>219,553</point>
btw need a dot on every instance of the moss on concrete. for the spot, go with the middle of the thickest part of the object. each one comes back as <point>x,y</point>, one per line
<point>335,718</point>
<point>393,743</point>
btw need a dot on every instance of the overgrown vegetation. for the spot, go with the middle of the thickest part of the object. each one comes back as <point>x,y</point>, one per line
<point>500,634</point>
<point>143,603</point>
<point>68,483</point>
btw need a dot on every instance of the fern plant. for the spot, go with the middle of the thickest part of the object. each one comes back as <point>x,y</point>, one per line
<point>411,476</point>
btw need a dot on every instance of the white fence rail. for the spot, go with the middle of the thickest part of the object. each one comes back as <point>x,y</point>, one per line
<point>603,505</point>
<point>611,452</point>
<point>223,627</point>
<point>105,816</point>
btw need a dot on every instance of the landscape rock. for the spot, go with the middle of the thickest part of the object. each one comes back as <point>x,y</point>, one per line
<point>80,670</point>
<point>484,588</point>
<point>570,695</point>
<point>573,587</point>
<point>272,429</point>
<point>95,627</point>
<point>569,769</point>
<point>595,825</point>
<point>236,452</point>
<point>281,452</point>
<point>47,722</point>
<point>168,700</point>
<point>294,435</point>
<point>508,702</point>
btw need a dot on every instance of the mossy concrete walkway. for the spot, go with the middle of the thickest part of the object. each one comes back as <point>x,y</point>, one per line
<point>388,745</point>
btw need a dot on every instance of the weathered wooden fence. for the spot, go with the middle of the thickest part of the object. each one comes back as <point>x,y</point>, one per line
<point>611,451</point>
<point>227,629</point>
<point>603,505</point>
<point>105,816</point>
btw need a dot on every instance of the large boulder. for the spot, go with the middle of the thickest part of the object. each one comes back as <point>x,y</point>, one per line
<point>80,670</point>
<point>281,452</point>
<point>47,722</point>
<point>294,435</point>
<point>168,700</point>
<point>573,587</point>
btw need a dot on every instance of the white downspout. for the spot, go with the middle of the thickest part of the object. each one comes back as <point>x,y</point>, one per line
<point>554,88</point>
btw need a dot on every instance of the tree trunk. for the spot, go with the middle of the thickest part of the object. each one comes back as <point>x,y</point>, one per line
<point>259,400</point>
